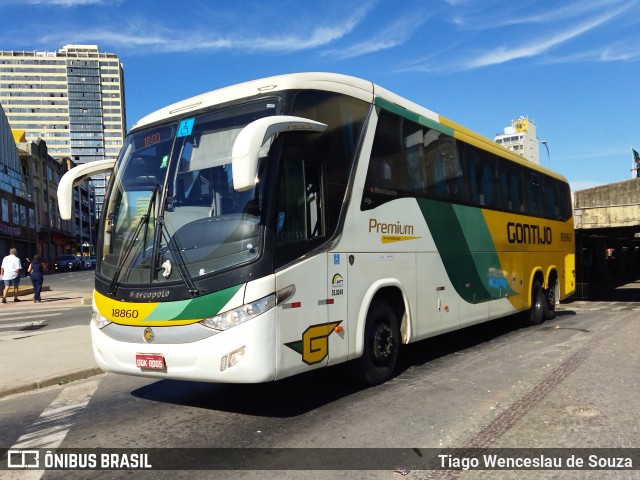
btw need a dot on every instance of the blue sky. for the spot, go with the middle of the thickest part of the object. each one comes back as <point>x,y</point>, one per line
<point>572,67</point>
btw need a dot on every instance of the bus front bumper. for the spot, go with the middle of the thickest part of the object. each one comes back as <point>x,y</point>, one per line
<point>243,354</point>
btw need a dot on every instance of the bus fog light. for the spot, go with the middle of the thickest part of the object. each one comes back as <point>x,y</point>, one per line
<point>231,359</point>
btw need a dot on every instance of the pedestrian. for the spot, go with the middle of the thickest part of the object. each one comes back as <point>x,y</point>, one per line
<point>37,278</point>
<point>10,271</point>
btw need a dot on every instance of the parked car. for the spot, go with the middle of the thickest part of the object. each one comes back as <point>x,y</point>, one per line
<point>64,263</point>
<point>89,262</point>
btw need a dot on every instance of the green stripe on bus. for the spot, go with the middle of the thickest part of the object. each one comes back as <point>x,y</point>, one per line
<point>414,117</point>
<point>198,307</point>
<point>470,259</point>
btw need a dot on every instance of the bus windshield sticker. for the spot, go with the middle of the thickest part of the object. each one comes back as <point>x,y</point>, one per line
<point>186,127</point>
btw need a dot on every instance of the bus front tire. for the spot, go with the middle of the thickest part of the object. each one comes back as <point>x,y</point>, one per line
<point>538,302</point>
<point>381,345</point>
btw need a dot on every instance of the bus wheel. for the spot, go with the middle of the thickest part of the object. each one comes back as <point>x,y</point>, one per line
<point>538,301</point>
<point>381,345</point>
<point>549,305</point>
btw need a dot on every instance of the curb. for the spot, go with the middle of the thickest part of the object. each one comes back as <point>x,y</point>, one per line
<point>48,382</point>
<point>28,290</point>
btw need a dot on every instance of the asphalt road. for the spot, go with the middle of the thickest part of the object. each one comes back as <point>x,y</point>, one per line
<point>570,382</point>
<point>80,280</point>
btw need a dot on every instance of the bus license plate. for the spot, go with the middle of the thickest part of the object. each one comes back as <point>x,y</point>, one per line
<point>150,361</point>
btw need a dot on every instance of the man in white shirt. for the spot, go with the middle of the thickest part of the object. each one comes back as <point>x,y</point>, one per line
<point>10,272</point>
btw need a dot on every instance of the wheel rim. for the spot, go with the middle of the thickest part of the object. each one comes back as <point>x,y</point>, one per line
<point>383,344</point>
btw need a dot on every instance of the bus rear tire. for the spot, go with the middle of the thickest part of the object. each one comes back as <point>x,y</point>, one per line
<point>549,310</point>
<point>381,345</point>
<point>538,301</point>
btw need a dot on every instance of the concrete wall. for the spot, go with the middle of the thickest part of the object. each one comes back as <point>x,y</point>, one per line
<point>607,206</point>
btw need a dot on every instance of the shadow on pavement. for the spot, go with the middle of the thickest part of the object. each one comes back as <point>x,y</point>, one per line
<point>628,292</point>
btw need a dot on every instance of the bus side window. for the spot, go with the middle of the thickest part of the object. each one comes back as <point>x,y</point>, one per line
<point>564,201</point>
<point>516,204</point>
<point>553,210</point>
<point>534,194</point>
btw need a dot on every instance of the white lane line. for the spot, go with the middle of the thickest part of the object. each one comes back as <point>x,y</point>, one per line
<point>54,423</point>
<point>15,313</point>
<point>26,317</point>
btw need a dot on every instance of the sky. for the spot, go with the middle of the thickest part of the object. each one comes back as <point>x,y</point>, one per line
<point>571,67</point>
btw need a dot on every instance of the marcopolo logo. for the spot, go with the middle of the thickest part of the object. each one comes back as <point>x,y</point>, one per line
<point>314,346</point>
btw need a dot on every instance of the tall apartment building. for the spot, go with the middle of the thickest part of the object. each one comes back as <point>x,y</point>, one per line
<point>73,99</point>
<point>521,138</point>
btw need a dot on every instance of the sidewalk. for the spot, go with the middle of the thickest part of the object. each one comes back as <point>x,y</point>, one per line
<point>30,362</point>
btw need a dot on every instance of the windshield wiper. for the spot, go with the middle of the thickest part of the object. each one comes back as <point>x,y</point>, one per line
<point>144,221</point>
<point>178,258</point>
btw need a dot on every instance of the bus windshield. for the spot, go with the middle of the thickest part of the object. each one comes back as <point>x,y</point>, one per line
<point>172,213</point>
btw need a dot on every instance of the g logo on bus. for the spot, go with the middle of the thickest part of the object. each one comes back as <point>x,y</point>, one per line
<point>314,346</point>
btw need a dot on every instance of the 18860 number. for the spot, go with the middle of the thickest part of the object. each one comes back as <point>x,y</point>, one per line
<point>124,313</point>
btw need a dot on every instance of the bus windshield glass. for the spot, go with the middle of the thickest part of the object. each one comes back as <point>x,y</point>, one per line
<point>172,214</point>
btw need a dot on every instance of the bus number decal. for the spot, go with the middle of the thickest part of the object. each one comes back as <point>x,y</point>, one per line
<point>566,237</point>
<point>124,313</point>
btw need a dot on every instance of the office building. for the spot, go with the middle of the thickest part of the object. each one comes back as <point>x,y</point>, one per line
<point>73,99</point>
<point>521,138</point>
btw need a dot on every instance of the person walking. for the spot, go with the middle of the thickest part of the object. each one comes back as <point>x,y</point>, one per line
<point>10,271</point>
<point>37,278</point>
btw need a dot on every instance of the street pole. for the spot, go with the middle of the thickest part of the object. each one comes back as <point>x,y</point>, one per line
<point>80,218</point>
<point>544,142</point>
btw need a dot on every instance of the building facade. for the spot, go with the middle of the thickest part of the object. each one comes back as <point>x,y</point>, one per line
<point>73,99</point>
<point>17,210</point>
<point>522,139</point>
<point>42,173</point>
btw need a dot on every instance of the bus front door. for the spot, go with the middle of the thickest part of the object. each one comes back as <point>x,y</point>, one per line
<point>303,327</point>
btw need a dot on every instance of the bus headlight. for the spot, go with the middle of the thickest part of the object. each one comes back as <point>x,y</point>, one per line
<point>226,320</point>
<point>100,320</point>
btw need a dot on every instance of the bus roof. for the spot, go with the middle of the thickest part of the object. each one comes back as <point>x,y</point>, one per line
<point>345,84</point>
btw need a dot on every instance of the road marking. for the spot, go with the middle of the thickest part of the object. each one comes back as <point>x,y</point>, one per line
<point>51,428</point>
<point>6,325</point>
<point>12,314</point>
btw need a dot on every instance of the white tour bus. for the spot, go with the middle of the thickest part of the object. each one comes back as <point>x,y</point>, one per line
<point>281,225</point>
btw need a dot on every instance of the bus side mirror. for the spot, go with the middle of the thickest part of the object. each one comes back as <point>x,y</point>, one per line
<point>246,148</point>
<point>75,177</point>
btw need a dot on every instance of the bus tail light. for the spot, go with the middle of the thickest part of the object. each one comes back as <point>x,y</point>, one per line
<point>231,318</point>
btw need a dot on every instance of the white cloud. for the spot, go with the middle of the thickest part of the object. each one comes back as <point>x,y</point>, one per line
<point>515,14</point>
<point>507,54</point>
<point>397,33</point>
<point>167,40</point>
